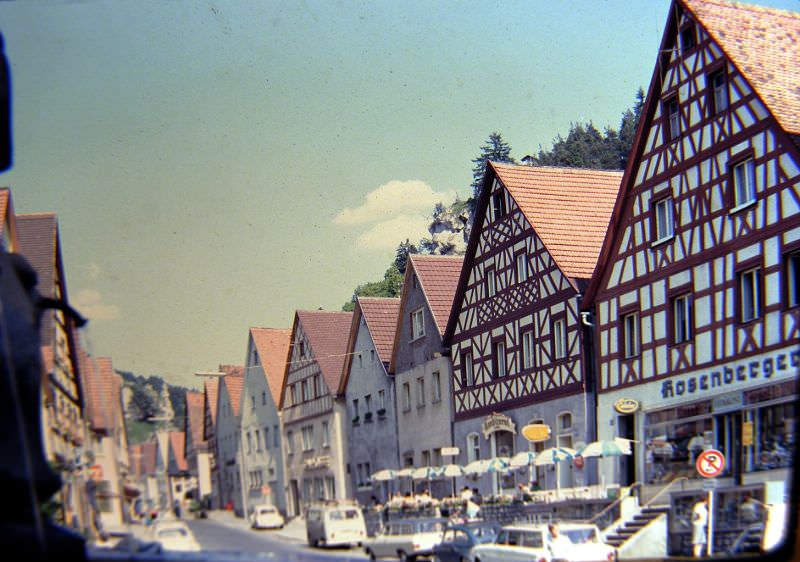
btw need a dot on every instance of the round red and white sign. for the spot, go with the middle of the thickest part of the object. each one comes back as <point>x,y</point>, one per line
<point>710,463</point>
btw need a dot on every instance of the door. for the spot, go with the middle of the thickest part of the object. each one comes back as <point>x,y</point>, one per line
<point>295,497</point>
<point>627,463</point>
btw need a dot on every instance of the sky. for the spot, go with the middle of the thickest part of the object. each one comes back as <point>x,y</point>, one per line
<point>218,165</point>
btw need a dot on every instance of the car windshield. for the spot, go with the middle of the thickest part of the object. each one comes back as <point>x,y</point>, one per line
<point>579,536</point>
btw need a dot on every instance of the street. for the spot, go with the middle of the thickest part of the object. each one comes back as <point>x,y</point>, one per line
<point>216,536</point>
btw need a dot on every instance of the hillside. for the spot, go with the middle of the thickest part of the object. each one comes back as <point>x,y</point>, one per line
<point>151,404</point>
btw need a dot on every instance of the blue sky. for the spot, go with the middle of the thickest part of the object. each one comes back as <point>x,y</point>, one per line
<point>218,165</point>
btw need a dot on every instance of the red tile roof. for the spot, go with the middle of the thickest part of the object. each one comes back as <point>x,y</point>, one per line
<point>764,44</point>
<point>194,417</point>
<point>380,315</point>
<point>149,452</point>
<point>210,391</point>
<point>272,346</point>
<point>233,382</point>
<point>177,439</point>
<point>327,334</point>
<point>438,278</point>
<point>569,208</point>
<point>37,235</point>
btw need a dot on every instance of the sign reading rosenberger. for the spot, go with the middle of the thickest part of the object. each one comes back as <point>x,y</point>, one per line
<point>497,422</point>
<point>729,375</point>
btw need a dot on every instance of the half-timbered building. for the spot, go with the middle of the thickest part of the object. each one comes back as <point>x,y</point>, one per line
<point>422,368</point>
<point>696,302</point>
<point>368,392</point>
<point>313,416</point>
<point>515,331</point>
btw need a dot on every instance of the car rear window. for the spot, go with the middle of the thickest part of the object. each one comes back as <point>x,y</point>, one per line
<point>341,514</point>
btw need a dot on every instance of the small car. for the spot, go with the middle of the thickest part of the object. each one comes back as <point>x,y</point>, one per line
<point>533,542</point>
<point>175,535</point>
<point>336,524</point>
<point>266,517</point>
<point>406,539</point>
<point>459,539</point>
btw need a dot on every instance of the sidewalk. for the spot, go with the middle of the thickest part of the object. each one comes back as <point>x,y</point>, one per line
<point>293,531</point>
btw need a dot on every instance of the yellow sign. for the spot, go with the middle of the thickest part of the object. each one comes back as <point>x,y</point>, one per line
<point>747,434</point>
<point>536,432</point>
<point>626,405</point>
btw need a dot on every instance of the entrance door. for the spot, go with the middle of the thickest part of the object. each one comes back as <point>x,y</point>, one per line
<point>627,463</point>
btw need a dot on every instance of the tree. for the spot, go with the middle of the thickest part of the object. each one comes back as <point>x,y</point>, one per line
<point>143,403</point>
<point>401,254</point>
<point>496,150</point>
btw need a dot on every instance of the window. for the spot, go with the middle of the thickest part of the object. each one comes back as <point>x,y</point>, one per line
<point>499,359</point>
<point>559,339</point>
<point>437,387</point>
<point>368,403</point>
<point>360,361</point>
<point>744,183</point>
<point>491,284</point>
<point>718,92</point>
<point>420,391</point>
<point>266,437</point>
<point>664,226</point>
<point>294,394</point>
<point>417,324</point>
<point>355,410</point>
<point>290,442</point>
<point>672,111</point>
<point>326,434</point>
<point>302,349</point>
<point>318,386</point>
<point>372,355</point>
<point>473,447</point>
<point>522,268</point>
<point>276,436</point>
<point>304,390</point>
<point>249,442</point>
<point>527,349</point>
<point>258,440</point>
<point>467,369</point>
<point>263,397</point>
<point>426,458</point>
<point>793,279</point>
<point>330,487</point>
<point>406,397</point>
<point>687,38</point>
<point>252,402</point>
<point>630,334</point>
<point>498,205</point>
<point>750,294</point>
<point>382,400</point>
<point>308,437</point>
<point>564,424</point>
<point>682,322</point>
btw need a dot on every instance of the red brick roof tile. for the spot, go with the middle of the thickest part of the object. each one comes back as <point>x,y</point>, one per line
<point>177,439</point>
<point>438,278</point>
<point>380,315</point>
<point>764,44</point>
<point>149,457</point>
<point>210,391</point>
<point>37,235</point>
<point>327,334</point>
<point>233,382</point>
<point>569,208</point>
<point>272,345</point>
<point>194,417</point>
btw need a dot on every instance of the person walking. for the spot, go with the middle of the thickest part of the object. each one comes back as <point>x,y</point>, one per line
<point>699,523</point>
<point>558,544</point>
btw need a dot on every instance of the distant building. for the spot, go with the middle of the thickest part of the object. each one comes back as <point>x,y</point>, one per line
<point>313,416</point>
<point>210,392</point>
<point>422,368</point>
<point>198,455</point>
<point>368,392</point>
<point>267,350</point>
<point>228,438</point>
<point>183,484</point>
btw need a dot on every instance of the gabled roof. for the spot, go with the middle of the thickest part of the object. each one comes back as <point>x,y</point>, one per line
<point>233,382</point>
<point>764,44</point>
<point>272,346</point>
<point>327,337</point>
<point>102,392</point>
<point>177,439</point>
<point>380,315</point>
<point>210,390</point>
<point>149,459</point>
<point>438,278</point>
<point>194,418</point>
<point>38,235</point>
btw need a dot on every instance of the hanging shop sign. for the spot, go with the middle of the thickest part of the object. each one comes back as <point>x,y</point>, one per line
<point>497,422</point>
<point>536,432</point>
<point>626,405</point>
<point>450,451</point>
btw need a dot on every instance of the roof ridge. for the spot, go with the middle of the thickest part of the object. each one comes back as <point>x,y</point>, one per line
<point>749,6</point>
<point>559,168</point>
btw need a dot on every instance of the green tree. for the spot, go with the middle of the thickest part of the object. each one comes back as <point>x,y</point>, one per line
<point>401,254</point>
<point>496,150</point>
<point>142,402</point>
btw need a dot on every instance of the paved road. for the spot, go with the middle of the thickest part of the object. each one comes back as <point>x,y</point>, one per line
<point>215,536</point>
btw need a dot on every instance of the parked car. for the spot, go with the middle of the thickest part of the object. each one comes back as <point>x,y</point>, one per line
<point>335,525</point>
<point>175,535</point>
<point>533,542</point>
<point>266,517</point>
<point>458,540</point>
<point>406,539</point>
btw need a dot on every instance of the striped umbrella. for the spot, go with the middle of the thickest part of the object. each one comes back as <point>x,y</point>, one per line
<point>384,475</point>
<point>555,455</point>
<point>498,464</point>
<point>524,458</point>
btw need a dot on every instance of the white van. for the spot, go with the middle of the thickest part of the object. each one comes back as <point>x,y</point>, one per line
<point>335,525</point>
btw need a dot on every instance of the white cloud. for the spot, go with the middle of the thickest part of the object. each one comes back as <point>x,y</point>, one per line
<point>389,233</point>
<point>392,199</point>
<point>90,304</point>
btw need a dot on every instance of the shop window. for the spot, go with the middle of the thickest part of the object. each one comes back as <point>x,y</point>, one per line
<point>630,335</point>
<point>671,448</point>
<point>499,359</point>
<point>521,268</point>
<point>793,279</point>
<point>527,349</point>
<point>663,226</point>
<point>718,92</point>
<point>467,369</point>
<point>682,319</point>
<point>750,294</point>
<point>473,447</point>
<point>672,113</point>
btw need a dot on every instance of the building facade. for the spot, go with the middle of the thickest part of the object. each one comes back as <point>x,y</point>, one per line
<point>697,304</point>
<point>313,416</point>
<point>515,333</point>
<point>228,440</point>
<point>197,449</point>
<point>368,392</point>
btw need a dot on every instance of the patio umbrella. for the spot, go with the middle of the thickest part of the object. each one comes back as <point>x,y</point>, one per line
<point>498,464</point>
<point>451,471</point>
<point>404,472</point>
<point>477,467</point>
<point>524,458</point>
<point>424,472</point>
<point>608,448</point>
<point>555,455</point>
<point>384,475</point>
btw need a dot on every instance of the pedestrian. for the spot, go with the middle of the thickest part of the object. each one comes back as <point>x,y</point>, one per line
<point>558,544</point>
<point>699,523</point>
<point>476,496</point>
<point>466,493</point>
